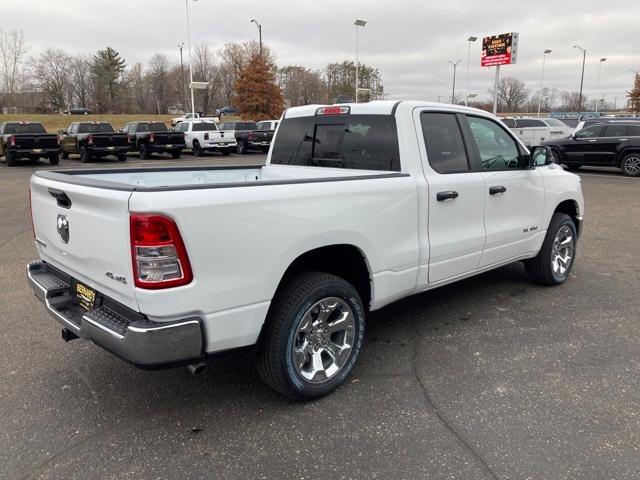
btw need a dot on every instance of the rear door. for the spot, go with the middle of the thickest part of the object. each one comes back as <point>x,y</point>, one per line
<point>513,194</point>
<point>95,224</point>
<point>607,145</point>
<point>456,197</point>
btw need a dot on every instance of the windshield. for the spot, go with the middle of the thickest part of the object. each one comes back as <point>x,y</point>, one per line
<point>24,128</point>
<point>554,122</point>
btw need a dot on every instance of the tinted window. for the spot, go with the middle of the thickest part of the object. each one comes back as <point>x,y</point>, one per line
<point>497,149</point>
<point>157,127</point>
<point>95,128</point>
<point>204,127</point>
<point>361,142</point>
<point>615,131</point>
<point>590,132</point>
<point>527,123</point>
<point>554,122</point>
<point>24,128</point>
<point>264,126</point>
<point>443,139</point>
<point>509,122</point>
<point>633,130</point>
<point>246,126</point>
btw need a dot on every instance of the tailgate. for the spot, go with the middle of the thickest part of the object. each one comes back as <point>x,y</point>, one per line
<point>97,251</point>
<point>36,141</point>
<point>110,139</point>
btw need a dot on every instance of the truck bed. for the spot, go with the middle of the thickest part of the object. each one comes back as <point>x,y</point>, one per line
<point>186,178</point>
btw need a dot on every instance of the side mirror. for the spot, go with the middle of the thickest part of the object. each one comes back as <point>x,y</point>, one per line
<point>540,156</point>
<point>572,136</point>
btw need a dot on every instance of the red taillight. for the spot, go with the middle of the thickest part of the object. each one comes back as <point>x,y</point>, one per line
<point>128,138</point>
<point>158,254</point>
<point>90,139</point>
<point>250,136</point>
<point>152,137</point>
<point>206,135</point>
<point>333,110</point>
<point>12,141</point>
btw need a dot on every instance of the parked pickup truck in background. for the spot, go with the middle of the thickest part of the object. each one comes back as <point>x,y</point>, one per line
<point>93,140</point>
<point>267,124</point>
<point>153,137</point>
<point>247,136</point>
<point>203,136</point>
<point>191,116</point>
<point>28,140</point>
<point>358,206</point>
<point>532,131</point>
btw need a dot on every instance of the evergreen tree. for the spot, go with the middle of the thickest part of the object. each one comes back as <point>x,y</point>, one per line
<point>107,67</point>
<point>257,95</point>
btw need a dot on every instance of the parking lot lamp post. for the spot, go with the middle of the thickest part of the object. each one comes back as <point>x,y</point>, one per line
<point>600,94</point>
<point>193,103</point>
<point>453,90</point>
<point>469,40</point>
<point>358,24</point>
<point>184,97</point>
<point>544,57</point>
<point>259,33</point>
<point>584,57</point>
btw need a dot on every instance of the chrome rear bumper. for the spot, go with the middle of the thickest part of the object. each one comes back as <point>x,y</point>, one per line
<point>114,327</point>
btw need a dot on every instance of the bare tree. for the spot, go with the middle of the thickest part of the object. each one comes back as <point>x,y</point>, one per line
<point>13,48</point>
<point>159,80</point>
<point>51,72</point>
<point>81,81</point>
<point>138,88</point>
<point>512,94</point>
<point>301,86</point>
<point>204,70</point>
<point>569,101</point>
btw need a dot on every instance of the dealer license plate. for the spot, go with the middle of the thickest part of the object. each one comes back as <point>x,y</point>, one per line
<point>86,296</point>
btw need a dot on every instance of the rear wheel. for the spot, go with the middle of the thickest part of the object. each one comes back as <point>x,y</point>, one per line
<point>122,157</point>
<point>554,262</point>
<point>175,153</point>
<point>64,155</point>
<point>313,336</point>
<point>84,155</point>
<point>225,151</point>
<point>242,148</point>
<point>12,161</point>
<point>196,149</point>
<point>572,166</point>
<point>54,159</point>
<point>144,152</point>
<point>630,165</point>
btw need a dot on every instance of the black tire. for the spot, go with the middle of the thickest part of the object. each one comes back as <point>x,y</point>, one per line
<point>540,268</point>
<point>294,298</point>
<point>64,155</point>
<point>556,157</point>
<point>144,151</point>
<point>176,154</point>
<point>225,151</point>
<point>242,148</point>
<point>572,167</point>
<point>11,159</point>
<point>84,155</point>
<point>630,165</point>
<point>196,150</point>
<point>54,159</point>
<point>122,157</point>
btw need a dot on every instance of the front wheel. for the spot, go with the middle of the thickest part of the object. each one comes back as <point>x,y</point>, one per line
<point>196,149</point>
<point>313,336</point>
<point>554,262</point>
<point>630,165</point>
<point>572,167</point>
<point>144,152</point>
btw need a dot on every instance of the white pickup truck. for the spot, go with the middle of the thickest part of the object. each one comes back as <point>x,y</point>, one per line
<point>203,136</point>
<point>358,205</point>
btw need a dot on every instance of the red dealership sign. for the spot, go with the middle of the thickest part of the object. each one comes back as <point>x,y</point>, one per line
<point>499,50</point>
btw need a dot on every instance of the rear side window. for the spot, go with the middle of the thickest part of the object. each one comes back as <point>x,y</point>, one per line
<point>359,142</point>
<point>615,131</point>
<point>443,139</point>
<point>633,130</point>
<point>528,123</point>
<point>24,128</point>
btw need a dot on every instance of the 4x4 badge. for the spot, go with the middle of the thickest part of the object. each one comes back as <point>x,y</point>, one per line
<point>62,226</point>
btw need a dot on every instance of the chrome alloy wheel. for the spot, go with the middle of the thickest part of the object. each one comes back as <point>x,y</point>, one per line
<point>323,340</point>
<point>562,251</point>
<point>632,164</point>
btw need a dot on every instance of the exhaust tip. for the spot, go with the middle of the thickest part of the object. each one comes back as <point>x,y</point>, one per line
<point>68,335</point>
<point>197,368</point>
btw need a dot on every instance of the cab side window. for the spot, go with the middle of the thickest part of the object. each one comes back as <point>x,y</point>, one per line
<point>497,149</point>
<point>446,151</point>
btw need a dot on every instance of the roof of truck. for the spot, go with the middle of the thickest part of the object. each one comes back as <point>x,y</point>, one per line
<point>377,107</point>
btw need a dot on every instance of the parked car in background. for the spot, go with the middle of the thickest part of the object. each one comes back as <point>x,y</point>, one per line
<point>77,111</point>
<point>358,206</point>
<point>191,116</point>
<point>247,136</point>
<point>267,124</point>
<point>203,136</point>
<point>587,122</point>
<point>153,137</point>
<point>93,140</point>
<point>226,111</point>
<point>534,130</point>
<point>28,140</point>
<point>612,144</point>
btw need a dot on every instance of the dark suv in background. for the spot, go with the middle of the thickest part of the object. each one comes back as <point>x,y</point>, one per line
<point>603,145</point>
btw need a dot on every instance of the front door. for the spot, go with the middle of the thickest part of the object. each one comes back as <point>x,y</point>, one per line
<point>455,199</point>
<point>583,146</point>
<point>513,193</point>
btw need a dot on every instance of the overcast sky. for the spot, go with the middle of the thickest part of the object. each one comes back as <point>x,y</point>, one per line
<point>410,41</point>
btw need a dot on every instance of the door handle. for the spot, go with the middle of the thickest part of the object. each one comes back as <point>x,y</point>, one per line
<point>624,139</point>
<point>592,140</point>
<point>449,194</point>
<point>497,190</point>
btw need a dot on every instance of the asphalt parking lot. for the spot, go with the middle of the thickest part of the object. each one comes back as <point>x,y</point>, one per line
<point>488,378</point>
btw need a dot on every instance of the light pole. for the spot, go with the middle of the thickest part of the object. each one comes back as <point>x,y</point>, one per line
<point>544,58</point>
<point>358,24</point>
<point>259,32</point>
<point>600,94</point>
<point>193,103</point>
<point>584,57</point>
<point>469,40</point>
<point>453,90</point>
<point>184,97</point>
